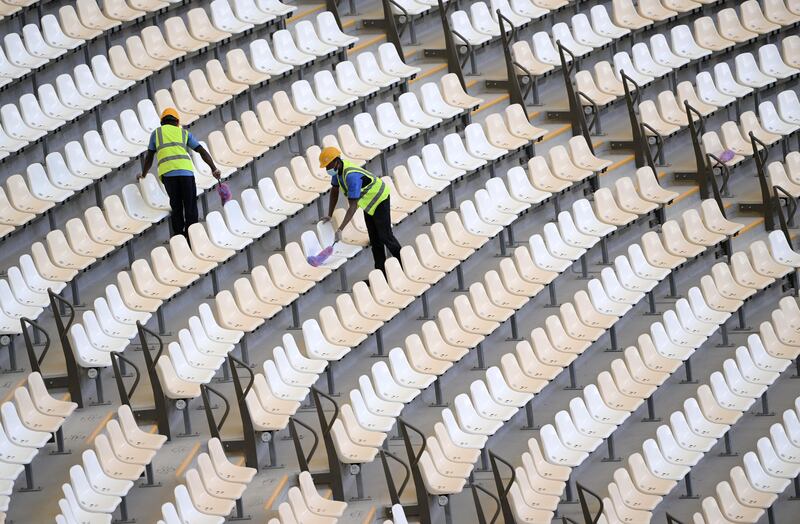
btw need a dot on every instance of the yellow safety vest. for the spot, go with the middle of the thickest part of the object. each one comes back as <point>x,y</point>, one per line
<point>372,193</point>
<point>172,151</point>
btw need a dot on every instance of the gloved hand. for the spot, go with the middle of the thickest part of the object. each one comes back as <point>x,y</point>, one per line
<point>325,219</point>
<point>216,174</point>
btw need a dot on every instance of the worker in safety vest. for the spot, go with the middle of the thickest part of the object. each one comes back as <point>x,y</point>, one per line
<point>364,190</point>
<point>170,145</point>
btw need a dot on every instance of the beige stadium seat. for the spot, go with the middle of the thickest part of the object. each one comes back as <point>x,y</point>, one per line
<point>707,35</point>
<point>201,28</point>
<point>625,15</point>
<point>119,10</point>
<point>156,46</point>
<point>731,27</point>
<point>122,66</point>
<point>138,56</point>
<point>72,26</point>
<point>607,80</point>
<point>681,6</point>
<point>654,10</point>
<point>92,17</point>
<point>754,20</point>
<point>178,37</point>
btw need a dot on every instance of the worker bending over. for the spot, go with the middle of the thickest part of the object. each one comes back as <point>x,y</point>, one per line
<point>364,190</point>
<point>170,145</point>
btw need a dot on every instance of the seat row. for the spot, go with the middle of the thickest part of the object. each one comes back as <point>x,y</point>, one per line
<point>773,465</point>
<point>111,325</point>
<point>736,138</point>
<point>486,307</point>
<point>753,18</point>
<point>541,57</point>
<point>413,7</point>
<point>79,166</point>
<point>336,330</point>
<point>566,335</point>
<point>10,7</point>
<point>252,302</point>
<point>481,25</point>
<point>37,45</point>
<point>146,287</point>
<point>85,241</point>
<point>382,395</point>
<point>286,379</point>
<point>85,21</point>
<point>666,116</point>
<point>643,68</point>
<point>209,491</point>
<point>606,404</point>
<point>786,174</point>
<point>354,80</point>
<point>679,445</point>
<point>306,505</point>
<point>658,59</point>
<point>96,487</point>
<point>28,423</point>
<point>98,234</point>
<point>88,87</point>
<point>653,60</point>
<point>305,106</point>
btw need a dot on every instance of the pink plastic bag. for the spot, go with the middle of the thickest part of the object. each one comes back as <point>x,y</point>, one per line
<point>727,155</point>
<point>321,258</point>
<point>224,192</point>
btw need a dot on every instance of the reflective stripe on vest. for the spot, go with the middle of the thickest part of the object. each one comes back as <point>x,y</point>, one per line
<point>172,151</point>
<point>372,194</point>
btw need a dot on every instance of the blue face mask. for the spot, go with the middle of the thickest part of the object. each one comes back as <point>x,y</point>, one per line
<point>333,172</point>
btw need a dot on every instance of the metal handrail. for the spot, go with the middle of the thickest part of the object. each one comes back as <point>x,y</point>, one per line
<point>587,517</point>
<point>724,169</point>
<point>634,93</point>
<point>403,424</point>
<point>754,141</point>
<point>214,426</point>
<point>405,18</point>
<point>791,204</point>
<point>317,393</point>
<point>125,395</point>
<point>659,141</point>
<point>561,48</point>
<point>387,453</point>
<point>481,518</point>
<point>700,119</point>
<point>595,112</point>
<point>512,33</point>
<point>233,360</point>
<point>529,85</point>
<point>64,302</point>
<point>503,490</point>
<point>293,432</point>
<point>32,358</point>
<point>143,331</point>
<point>494,456</point>
<point>470,47</point>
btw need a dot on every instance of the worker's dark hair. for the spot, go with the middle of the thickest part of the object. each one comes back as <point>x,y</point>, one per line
<point>169,120</point>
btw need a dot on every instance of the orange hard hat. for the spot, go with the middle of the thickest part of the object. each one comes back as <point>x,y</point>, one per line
<point>170,111</point>
<point>327,155</point>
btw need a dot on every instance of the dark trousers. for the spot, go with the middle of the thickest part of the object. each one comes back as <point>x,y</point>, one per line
<point>182,193</point>
<point>381,238</point>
